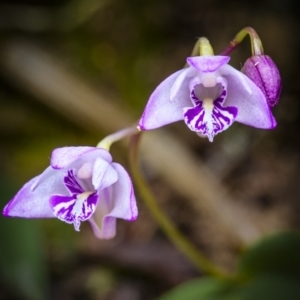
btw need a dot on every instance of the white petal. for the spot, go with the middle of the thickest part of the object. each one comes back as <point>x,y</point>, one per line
<point>179,84</point>
<point>160,110</point>
<point>32,201</point>
<point>63,157</point>
<point>104,174</point>
<point>253,109</point>
<point>117,201</point>
<point>208,63</point>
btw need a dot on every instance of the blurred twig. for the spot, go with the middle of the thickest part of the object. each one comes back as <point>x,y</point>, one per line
<point>39,19</point>
<point>50,81</point>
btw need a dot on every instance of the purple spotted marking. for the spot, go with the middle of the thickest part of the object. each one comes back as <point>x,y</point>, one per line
<point>75,208</point>
<point>208,116</point>
<point>71,183</point>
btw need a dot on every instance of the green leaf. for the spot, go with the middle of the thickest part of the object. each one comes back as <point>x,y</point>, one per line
<point>269,270</point>
<point>271,287</point>
<point>203,289</point>
<point>23,265</point>
<point>278,254</point>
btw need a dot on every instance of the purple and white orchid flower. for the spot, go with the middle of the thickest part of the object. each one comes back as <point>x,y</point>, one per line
<point>209,96</point>
<point>81,183</point>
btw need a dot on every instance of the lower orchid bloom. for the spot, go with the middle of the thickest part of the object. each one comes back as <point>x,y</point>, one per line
<point>82,183</point>
<point>209,96</point>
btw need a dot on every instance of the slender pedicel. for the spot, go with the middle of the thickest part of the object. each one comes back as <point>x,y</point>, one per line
<point>116,136</point>
<point>190,251</point>
<point>256,44</point>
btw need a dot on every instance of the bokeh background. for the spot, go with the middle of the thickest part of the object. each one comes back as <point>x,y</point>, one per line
<point>74,71</point>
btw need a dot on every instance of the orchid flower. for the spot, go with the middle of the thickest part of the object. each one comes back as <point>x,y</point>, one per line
<point>209,95</point>
<point>81,183</point>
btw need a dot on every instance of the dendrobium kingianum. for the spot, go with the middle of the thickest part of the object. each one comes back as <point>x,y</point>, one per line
<point>209,95</point>
<point>81,183</point>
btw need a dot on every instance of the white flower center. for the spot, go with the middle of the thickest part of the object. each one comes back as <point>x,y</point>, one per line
<point>85,171</point>
<point>84,196</point>
<point>209,80</point>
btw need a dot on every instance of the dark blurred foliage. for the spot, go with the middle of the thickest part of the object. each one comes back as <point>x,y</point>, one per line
<point>125,48</point>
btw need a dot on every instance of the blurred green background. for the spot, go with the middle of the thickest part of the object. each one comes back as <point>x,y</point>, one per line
<point>72,72</point>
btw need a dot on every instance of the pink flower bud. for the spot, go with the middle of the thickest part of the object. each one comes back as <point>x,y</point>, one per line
<point>264,73</point>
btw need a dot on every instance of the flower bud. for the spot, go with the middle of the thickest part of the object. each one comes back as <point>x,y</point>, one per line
<point>264,73</point>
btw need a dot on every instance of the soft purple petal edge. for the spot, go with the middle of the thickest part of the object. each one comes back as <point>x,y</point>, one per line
<point>62,157</point>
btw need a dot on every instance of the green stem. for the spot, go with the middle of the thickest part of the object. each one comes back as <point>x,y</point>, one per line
<point>256,45</point>
<point>193,254</point>
<point>116,136</point>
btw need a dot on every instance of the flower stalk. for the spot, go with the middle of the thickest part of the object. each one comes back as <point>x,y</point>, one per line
<point>256,44</point>
<point>193,254</point>
<point>116,136</point>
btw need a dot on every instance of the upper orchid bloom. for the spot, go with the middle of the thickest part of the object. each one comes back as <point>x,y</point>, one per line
<point>209,95</point>
<point>81,183</point>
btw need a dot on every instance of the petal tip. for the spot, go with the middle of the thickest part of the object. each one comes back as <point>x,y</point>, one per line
<point>5,211</point>
<point>141,127</point>
<point>133,218</point>
<point>274,123</point>
<point>55,167</point>
<point>133,206</point>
